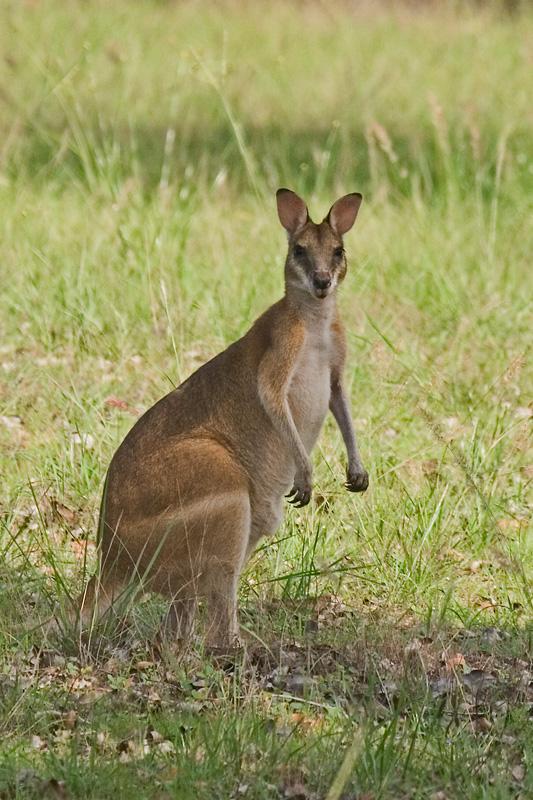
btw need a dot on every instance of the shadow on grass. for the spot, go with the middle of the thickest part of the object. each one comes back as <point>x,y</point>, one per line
<point>131,713</point>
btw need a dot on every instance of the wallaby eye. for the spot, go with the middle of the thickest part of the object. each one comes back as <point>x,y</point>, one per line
<point>298,251</point>
<point>338,252</point>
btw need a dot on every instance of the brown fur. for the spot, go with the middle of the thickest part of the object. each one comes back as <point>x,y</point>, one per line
<point>201,476</point>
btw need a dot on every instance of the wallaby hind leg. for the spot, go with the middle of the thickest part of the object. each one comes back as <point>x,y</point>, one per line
<point>176,533</point>
<point>230,537</point>
<point>179,618</point>
<point>97,598</point>
<point>222,623</point>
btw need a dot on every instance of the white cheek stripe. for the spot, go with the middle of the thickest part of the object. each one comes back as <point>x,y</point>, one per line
<point>306,280</point>
<point>299,273</point>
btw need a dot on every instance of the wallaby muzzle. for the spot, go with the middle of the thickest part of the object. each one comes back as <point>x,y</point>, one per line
<point>321,283</point>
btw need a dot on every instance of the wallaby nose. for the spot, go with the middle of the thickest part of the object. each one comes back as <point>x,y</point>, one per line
<point>321,280</point>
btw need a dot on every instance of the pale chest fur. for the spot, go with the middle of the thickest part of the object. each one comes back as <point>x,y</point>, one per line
<point>309,391</point>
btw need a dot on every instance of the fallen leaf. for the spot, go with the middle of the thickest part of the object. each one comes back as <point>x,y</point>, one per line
<point>63,512</point>
<point>144,665</point>
<point>101,739</point>
<point>506,524</point>
<point>477,679</point>
<point>37,743</point>
<point>81,547</point>
<point>105,364</point>
<point>79,684</point>
<point>486,603</point>
<point>11,423</point>
<point>15,426</point>
<point>117,402</point>
<point>518,772</point>
<point>305,721</point>
<point>49,360</point>
<point>199,755</point>
<point>83,439</point>
<point>166,747</point>
<point>417,469</point>
<point>62,735</point>
<point>154,736</point>
<point>128,750</point>
<point>452,428</point>
<point>453,661</point>
<point>482,725</point>
<point>70,719</point>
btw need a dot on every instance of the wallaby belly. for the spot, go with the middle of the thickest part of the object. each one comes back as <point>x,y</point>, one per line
<point>310,392</point>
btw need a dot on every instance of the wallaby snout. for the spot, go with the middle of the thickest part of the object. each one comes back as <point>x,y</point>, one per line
<point>321,283</point>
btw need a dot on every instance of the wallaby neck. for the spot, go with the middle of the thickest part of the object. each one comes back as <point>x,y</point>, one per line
<point>313,310</point>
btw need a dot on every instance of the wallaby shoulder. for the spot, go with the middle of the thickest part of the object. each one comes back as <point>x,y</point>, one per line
<point>207,395</point>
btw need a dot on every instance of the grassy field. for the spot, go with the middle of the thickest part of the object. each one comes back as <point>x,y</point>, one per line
<point>389,635</point>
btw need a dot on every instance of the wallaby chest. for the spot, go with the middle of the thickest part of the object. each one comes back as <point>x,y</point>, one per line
<point>309,392</point>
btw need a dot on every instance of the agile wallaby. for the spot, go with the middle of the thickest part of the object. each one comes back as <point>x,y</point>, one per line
<point>201,476</point>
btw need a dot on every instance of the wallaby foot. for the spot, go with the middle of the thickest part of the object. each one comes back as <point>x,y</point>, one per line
<point>222,623</point>
<point>96,600</point>
<point>179,619</point>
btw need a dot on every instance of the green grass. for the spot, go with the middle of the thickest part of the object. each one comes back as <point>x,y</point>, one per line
<point>141,147</point>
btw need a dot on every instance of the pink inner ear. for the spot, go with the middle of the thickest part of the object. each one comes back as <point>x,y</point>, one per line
<point>343,213</point>
<point>292,210</point>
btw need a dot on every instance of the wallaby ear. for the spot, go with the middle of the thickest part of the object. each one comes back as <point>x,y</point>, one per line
<point>342,214</point>
<point>292,210</point>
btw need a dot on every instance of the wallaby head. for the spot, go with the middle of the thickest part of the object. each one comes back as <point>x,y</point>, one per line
<point>316,262</point>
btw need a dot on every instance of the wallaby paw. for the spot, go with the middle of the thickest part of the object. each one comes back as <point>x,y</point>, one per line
<point>300,494</point>
<point>357,480</point>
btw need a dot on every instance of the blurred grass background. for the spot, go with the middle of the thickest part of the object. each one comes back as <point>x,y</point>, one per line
<point>141,145</point>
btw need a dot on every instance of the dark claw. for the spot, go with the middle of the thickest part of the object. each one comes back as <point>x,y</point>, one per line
<point>298,497</point>
<point>304,501</point>
<point>357,483</point>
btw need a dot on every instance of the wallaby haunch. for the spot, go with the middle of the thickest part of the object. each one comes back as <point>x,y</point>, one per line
<point>201,476</point>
